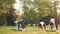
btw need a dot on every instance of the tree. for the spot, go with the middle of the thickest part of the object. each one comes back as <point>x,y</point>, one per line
<point>35,10</point>
<point>4,5</point>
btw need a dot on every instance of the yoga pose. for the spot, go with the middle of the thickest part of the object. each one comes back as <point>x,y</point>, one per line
<point>42,25</point>
<point>53,23</point>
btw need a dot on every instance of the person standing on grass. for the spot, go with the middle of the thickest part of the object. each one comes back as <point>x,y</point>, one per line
<point>42,25</point>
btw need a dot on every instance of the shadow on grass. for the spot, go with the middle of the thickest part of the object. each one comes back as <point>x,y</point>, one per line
<point>16,30</point>
<point>50,30</point>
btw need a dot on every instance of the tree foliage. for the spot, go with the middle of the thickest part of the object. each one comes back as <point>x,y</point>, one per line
<point>37,9</point>
<point>4,6</point>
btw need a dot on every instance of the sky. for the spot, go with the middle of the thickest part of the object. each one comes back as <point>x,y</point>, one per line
<point>18,6</point>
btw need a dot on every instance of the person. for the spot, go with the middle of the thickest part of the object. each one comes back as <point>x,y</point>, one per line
<point>16,24</point>
<point>42,24</point>
<point>22,22</point>
<point>52,23</point>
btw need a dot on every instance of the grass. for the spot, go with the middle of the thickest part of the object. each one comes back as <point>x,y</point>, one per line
<point>29,30</point>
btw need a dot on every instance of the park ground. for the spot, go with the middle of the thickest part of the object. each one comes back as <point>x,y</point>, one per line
<point>29,30</point>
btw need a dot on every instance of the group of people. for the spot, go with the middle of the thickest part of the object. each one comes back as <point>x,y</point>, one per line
<point>19,24</point>
<point>52,24</point>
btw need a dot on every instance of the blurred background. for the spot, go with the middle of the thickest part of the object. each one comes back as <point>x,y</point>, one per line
<point>32,11</point>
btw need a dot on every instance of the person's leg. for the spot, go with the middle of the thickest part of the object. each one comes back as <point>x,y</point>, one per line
<point>51,28</point>
<point>23,29</point>
<point>51,25</point>
<point>16,27</point>
<point>40,27</point>
<point>44,26</point>
<point>56,27</point>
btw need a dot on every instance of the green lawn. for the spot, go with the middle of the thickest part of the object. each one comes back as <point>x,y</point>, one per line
<point>29,30</point>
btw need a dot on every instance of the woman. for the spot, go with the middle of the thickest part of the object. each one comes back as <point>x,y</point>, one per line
<point>42,25</point>
<point>52,23</point>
